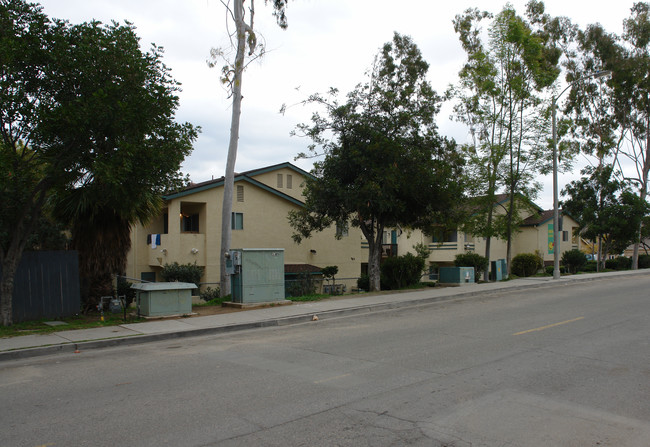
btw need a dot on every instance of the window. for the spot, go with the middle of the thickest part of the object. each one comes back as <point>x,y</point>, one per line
<point>444,236</point>
<point>237,221</point>
<point>289,181</point>
<point>279,180</point>
<point>565,236</point>
<point>190,224</point>
<point>240,193</point>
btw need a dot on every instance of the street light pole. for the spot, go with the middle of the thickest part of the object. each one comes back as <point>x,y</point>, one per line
<point>556,211</point>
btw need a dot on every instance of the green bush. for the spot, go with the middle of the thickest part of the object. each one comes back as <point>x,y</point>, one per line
<point>469,259</point>
<point>574,260</point>
<point>182,273</point>
<point>644,261</point>
<point>124,289</point>
<point>590,266</point>
<point>210,294</point>
<point>549,269</point>
<point>401,271</point>
<point>363,283</point>
<point>525,264</point>
<point>619,263</point>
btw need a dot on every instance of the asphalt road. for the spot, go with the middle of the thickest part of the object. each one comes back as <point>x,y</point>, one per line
<point>550,367</point>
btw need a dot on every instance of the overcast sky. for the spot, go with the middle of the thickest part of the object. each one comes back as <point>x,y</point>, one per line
<point>329,43</point>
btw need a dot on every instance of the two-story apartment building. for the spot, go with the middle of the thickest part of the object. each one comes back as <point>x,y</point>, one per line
<point>189,228</point>
<point>535,234</point>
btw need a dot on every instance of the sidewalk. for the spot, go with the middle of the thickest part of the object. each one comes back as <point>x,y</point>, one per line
<point>128,334</point>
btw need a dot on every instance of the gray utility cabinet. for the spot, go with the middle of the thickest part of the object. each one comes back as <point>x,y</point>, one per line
<point>257,275</point>
<point>159,299</point>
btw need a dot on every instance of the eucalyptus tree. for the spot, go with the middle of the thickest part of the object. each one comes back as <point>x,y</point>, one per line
<point>384,163</point>
<point>632,83</point>
<point>612,119</point>
<point>499,98</point>
<point>244,39</point>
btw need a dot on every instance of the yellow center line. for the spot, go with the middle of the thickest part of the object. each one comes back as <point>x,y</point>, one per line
<point>549,326</point>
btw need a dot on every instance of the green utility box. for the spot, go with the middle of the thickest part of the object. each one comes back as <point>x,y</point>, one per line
<point>160,299</point>
<point>498,271</point>
<point>257,275</point>
<point>456,275</point>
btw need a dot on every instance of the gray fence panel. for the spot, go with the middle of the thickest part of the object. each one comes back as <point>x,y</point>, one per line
<point>46,285</point>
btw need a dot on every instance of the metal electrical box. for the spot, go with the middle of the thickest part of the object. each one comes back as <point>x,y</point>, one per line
<point>258,275</point>
<point>164,298</point>
<point>456,275</point>
<point>499,270</point>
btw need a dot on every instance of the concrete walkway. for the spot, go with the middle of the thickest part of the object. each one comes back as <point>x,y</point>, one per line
<point>84,339</point>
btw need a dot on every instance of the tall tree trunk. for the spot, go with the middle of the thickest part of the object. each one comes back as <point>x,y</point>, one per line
<point>642,193</point>
<point>229,179</point>
<point>9,266</point>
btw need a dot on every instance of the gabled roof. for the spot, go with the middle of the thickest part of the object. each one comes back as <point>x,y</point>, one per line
<point>245,177</point>
<point>542,218</point>
<point>538,219</point>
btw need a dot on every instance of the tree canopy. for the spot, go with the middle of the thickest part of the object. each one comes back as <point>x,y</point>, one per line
<point>88,132</point>
<point>498,98</point>
<point>384,163</point>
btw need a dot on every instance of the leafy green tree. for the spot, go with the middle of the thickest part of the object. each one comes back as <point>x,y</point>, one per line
<point>329,274</point>
<point>605,209</point>
<point>498,97</point>
<point>88,131</point>
<point>384,163</point>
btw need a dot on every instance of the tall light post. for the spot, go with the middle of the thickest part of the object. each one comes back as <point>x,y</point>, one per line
<point>556,211</point>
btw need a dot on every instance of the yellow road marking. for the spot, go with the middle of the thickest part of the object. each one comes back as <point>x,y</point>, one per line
<point>332,378</point>
<point>549,326</point>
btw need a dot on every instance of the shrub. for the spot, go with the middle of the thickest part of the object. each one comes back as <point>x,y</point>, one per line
<point>549,269</point>
<point>469,259</point>
<point>574,260</point>
<point>210,294</point>
<point>525,264</point>
<point>401,271</point>
<point>644,261</point>
<point>363,283</point>
<point>619,263</point>
<point>590,266</point>
<point>124,289</point>
<point>182,273</point>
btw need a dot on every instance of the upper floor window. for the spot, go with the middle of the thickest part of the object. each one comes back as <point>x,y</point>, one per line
<point>444,236</point>
<point>240,193</point>
<point>289,181</point>
<point>279,180</point>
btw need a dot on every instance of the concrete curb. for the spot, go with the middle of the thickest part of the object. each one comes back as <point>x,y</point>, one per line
<point>71,347</point>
